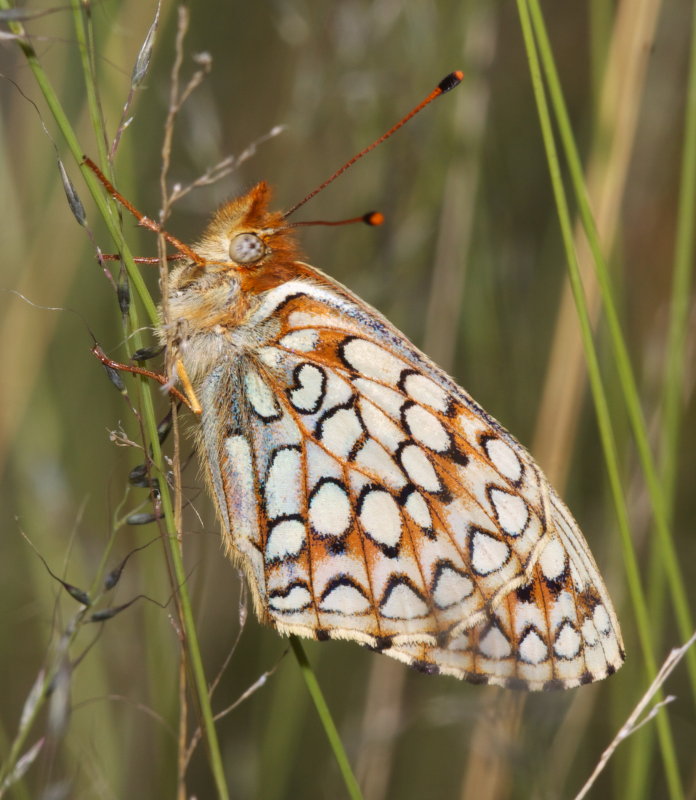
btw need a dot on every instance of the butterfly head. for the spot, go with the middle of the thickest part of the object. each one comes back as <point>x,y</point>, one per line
<point>247,239</point>
<point>245,250</point>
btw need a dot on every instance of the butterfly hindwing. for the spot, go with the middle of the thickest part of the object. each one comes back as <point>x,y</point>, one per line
<point>557,631</point>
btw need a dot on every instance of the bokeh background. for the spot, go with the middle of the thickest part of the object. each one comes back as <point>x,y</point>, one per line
<point>469,264</point>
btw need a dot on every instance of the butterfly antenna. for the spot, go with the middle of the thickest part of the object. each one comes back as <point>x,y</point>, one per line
<point>146,222</point>
<point>447,83</point>
<point>373,218</point>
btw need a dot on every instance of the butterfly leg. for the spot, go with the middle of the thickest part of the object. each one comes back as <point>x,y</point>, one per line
<point>116,366</point>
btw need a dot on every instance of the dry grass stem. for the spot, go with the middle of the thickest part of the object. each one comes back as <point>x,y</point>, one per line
<point>634,723</point>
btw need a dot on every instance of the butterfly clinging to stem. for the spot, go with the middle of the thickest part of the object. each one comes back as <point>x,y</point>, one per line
<point>365,495</point>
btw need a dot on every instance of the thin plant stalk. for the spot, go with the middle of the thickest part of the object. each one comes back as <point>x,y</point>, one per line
<point>148,411</point>
<point>174,552</point>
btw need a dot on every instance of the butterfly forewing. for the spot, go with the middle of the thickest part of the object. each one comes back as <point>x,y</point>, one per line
<point>365,494</point>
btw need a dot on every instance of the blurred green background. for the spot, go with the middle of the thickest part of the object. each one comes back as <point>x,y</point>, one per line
<point>469,264</point>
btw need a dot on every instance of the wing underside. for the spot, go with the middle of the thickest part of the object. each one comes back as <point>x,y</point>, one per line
<point>369,498</point>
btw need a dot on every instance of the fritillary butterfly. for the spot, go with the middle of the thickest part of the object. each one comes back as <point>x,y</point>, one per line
<point>365,495</point>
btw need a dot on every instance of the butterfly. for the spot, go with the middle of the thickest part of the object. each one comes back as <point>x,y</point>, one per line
<point>364,494</point>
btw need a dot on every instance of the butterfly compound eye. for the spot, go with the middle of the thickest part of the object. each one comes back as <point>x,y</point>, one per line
<point>246,248</point>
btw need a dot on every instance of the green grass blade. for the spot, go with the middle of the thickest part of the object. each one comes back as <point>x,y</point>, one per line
<point>661,483</point>
<point>673,390</point>
<point>148,411</point>
<point>681,288</point>
<point>620,350</point>
<point>326,720</point>
<point>599,396</point>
